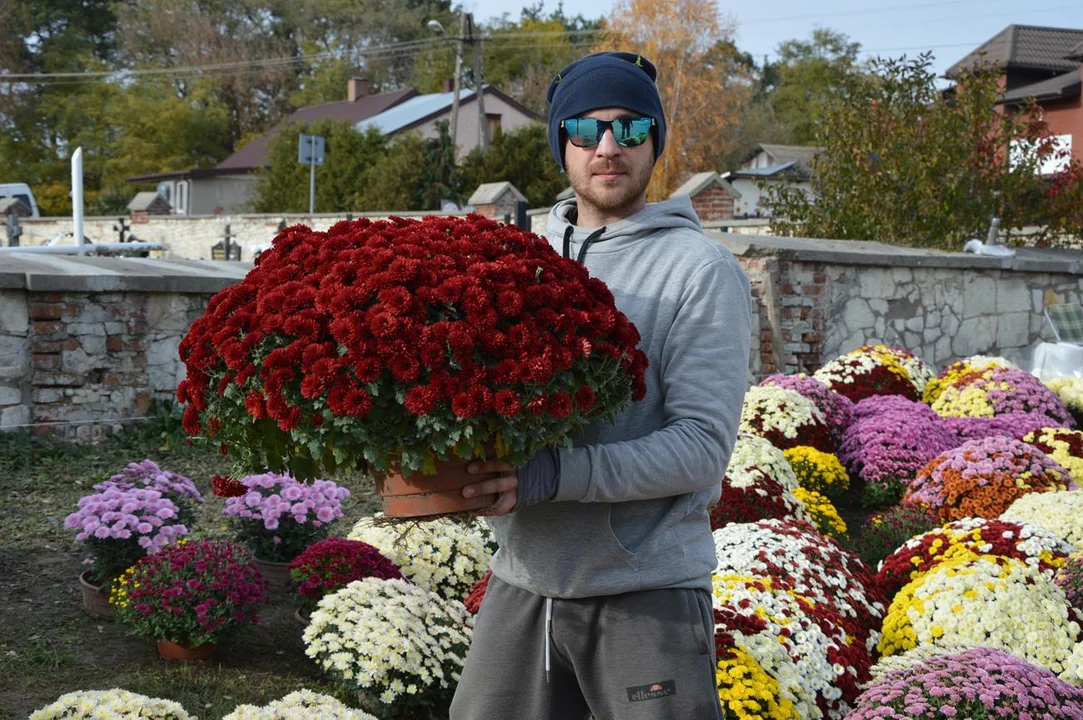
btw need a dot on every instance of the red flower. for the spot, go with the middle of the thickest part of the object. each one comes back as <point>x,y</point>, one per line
<point>561,405</point>
<point>420,399</point>
<point>506,402</point>
<point>253,402</point>
<point>224,486</point>
<point>464,405</point>
<point>584,398</point>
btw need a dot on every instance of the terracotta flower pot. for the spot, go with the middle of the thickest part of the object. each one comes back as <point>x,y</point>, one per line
<point>301,617</point>
<point>419,495</point>
<point>174,652</point>
<point>95,598</point>
<point>275,574</point>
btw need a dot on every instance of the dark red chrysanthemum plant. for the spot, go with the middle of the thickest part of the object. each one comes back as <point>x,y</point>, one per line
<point>406,342</point>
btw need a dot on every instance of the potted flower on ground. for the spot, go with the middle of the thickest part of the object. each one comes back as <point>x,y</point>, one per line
<point>334,563</point>
<point>189,596</point>
<point>147,473</point>
<point>114,704</point>
<point>278,516</point>
<point>406,347</point>
<point>118,527</point>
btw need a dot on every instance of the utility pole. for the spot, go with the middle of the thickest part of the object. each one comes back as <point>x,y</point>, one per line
<point>465,21</point>
<point>483,123</point>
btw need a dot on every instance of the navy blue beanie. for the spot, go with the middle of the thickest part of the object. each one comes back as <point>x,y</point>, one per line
<point>604,80</point>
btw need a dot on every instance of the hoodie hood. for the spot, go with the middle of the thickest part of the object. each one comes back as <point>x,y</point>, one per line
<point>676,213</point>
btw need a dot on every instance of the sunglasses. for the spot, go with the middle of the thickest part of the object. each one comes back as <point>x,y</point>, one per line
<point>588,132</point>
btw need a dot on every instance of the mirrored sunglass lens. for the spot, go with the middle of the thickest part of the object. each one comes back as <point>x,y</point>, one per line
<point>581,132</point>
<point>631,133</point>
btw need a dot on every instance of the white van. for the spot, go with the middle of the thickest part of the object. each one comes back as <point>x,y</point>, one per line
<point>23,192</point>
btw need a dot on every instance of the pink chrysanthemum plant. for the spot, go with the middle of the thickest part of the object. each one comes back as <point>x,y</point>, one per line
<point>279,516</point>
<point>118,527</point>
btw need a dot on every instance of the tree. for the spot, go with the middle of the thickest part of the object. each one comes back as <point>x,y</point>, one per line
<point>700,78</point>
<point>521,157</point>
<point>903,162</point>
<point>807,75</point>
<point>520,56</point>
<point>284,186</point>
<point>414,174</point>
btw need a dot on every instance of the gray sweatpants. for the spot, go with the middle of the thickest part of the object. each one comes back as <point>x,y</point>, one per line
<point>639,656</point>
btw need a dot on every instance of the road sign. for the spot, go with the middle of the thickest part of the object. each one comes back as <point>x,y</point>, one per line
<point>310,149</point>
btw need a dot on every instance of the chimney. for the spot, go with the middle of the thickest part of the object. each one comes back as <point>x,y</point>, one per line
<point>357,88</point>
<point>449,86</point>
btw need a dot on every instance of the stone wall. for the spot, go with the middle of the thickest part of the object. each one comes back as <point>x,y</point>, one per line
<point>817,299</point>
<point>88,342</point>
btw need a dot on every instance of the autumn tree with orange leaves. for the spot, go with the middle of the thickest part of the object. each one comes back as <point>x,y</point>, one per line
<point>701,83</point>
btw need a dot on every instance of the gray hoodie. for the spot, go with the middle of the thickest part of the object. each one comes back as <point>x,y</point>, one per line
<point>631,510</point>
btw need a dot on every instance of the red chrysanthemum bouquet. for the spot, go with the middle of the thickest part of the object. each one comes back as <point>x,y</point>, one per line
<point>402,343</point>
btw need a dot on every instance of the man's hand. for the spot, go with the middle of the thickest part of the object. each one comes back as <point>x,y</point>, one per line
<point>505,486</point>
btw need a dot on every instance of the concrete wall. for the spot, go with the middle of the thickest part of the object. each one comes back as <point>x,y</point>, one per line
<point>191,237</point>
<point>88,342</point>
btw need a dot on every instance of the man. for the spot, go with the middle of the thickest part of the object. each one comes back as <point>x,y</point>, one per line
<point>600,596</point>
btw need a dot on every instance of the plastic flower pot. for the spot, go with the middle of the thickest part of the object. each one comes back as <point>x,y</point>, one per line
<point>275,574</point>
<point>95,598</point>
<point>417,495</point>
<point>175,652</point>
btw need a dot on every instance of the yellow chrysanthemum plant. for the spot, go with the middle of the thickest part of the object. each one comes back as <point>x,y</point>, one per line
<point>962,368</point>
<point>824,515</point>
<point>818,471</point>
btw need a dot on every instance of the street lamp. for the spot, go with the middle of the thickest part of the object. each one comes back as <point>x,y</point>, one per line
<point>437,27</point>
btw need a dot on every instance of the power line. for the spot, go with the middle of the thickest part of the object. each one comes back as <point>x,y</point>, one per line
<point>376,51</point>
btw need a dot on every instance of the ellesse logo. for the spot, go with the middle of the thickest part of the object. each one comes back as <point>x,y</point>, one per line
<point>652,691</point>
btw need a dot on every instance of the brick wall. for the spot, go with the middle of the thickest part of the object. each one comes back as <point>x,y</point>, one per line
<point>96,356</point>
<point>713,204</point>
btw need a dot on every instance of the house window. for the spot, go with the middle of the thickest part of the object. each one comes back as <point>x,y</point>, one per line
<point>493,120</point>
<point>181,206</point>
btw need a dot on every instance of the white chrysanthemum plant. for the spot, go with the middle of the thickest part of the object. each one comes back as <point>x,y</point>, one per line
<point>814,565</point>
<point>985,600</point>
<point>441,555</point>
<point>792,649</point>
<point>114,704</point>
<point>1060,512</point>
<point>754,462</point>
<point>1069,390</point>
<point>785,417</point>
<point>299,705</point>
<point>402,646</point>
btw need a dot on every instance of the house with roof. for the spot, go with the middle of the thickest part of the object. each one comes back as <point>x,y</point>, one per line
<point>1043,65</point>
<point>225,188</point>
<point>769,164</point>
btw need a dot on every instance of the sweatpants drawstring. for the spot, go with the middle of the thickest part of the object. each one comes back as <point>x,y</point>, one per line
<point>548,640</point>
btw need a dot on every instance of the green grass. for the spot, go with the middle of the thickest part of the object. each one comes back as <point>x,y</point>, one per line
<point>50,646</point>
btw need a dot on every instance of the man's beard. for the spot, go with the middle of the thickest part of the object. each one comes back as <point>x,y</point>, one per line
<point>611,201</point>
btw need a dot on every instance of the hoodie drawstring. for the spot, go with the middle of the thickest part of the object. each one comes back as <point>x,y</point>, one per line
<point>548,640</point>
<point>591,239</point>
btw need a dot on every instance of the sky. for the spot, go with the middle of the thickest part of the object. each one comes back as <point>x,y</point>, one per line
<point>949,28</point>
